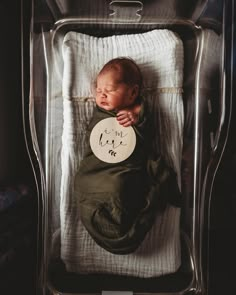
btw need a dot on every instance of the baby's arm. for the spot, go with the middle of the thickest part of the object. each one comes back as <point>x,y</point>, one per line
<point>129,116</point>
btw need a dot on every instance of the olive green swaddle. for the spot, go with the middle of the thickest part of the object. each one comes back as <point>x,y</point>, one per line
<point>118,202</point>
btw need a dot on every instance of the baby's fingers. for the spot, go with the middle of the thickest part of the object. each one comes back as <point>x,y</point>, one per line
<point>127,124</point>
<point>126,121</point>
<point>121,115</point>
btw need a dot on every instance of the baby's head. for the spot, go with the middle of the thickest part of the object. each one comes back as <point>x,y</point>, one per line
<point>118,84</point>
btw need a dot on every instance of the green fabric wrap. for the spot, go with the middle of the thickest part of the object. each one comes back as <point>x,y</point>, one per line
<point>119,202</point>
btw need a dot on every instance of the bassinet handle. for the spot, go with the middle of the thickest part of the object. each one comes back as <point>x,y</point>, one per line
<point>126,10</point>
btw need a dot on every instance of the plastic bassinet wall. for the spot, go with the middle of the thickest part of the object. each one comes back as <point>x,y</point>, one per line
<point>182,51</point>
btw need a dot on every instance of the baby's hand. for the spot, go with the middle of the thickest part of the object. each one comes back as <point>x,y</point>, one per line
<point>127,118</point>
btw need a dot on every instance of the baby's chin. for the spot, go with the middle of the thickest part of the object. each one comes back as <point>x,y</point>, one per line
<point>106,106</point>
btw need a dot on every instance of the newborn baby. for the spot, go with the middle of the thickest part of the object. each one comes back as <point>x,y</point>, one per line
<point>118,201</point>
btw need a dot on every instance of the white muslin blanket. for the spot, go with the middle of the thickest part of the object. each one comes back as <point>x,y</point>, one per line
<point>159,54</point>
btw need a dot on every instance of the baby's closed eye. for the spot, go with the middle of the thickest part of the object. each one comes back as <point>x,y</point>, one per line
<point>107,90</point>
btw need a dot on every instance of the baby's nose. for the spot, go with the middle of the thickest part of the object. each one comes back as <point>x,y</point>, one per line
<point>103,94</point>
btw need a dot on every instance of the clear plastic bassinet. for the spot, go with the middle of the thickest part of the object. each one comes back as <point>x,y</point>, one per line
<point>182,50</point>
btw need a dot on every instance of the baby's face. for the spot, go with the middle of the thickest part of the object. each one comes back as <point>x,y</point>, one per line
<point>113,94</point>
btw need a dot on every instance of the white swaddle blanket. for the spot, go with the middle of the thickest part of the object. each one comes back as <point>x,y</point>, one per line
<point>159,53</point>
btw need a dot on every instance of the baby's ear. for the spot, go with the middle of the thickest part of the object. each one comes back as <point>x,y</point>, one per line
<point>135,91</point>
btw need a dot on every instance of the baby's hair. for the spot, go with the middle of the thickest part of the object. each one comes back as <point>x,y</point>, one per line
<point>129,70</point>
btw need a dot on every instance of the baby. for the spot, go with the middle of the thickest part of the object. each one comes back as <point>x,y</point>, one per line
<point>118,202</point>
<point>118,89</point>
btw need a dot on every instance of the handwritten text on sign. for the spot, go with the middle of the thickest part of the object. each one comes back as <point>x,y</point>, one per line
<point>111,142</point>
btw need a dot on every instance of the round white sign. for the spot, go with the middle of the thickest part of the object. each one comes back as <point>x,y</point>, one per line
<point>111,142</point>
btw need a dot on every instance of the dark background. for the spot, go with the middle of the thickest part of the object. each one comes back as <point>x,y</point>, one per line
<point>19,277</point>
<point>18,224</point>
